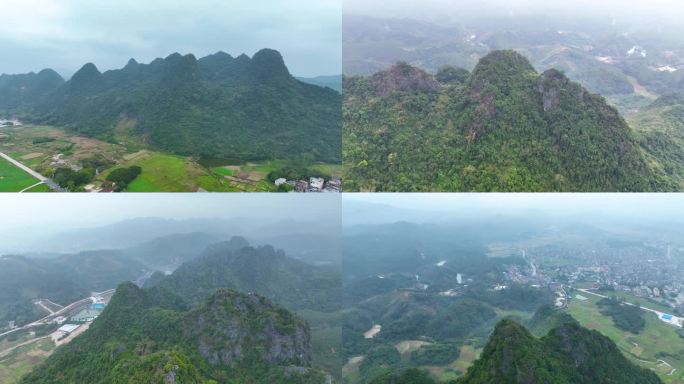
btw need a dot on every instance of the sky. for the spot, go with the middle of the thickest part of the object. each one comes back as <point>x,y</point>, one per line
<point>31,216</point>
<point>65,34</point>
<point>593,206</point>
<point>632,10</point>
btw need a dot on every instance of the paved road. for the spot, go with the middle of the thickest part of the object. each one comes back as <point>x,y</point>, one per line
<point>658,313</point>
<point>33,173</point>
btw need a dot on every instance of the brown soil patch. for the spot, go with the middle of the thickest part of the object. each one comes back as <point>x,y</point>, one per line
<point>32,155</point>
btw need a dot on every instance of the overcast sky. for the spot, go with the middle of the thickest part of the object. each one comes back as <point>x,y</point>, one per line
<point>634,10</point>
<point>654,206</point>
<point>26,216</point>
<point>65,34</point>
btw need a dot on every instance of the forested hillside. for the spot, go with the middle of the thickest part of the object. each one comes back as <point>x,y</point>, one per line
<point>568,354</point>
<point>218,106</point>
<point>264,270</point>
<point>503,127</point>
<point>660,131</point>
<point>150,336</point>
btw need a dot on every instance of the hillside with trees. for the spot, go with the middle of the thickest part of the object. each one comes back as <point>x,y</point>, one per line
<point>218,106</point>
<point>502,127</point>
<point>150,336</point>
<point>567,354</point>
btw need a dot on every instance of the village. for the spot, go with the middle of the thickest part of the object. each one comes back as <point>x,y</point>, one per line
<point>315,184</point>
<point>630,273</point>
<point>10,123</point>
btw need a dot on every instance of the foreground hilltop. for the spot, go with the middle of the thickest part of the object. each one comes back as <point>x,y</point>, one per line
<point>503,127</point>
<point>150,336</point>
<point>568,354</point>
<point>216,106</point>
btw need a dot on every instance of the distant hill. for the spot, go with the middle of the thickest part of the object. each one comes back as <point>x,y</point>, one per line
<point>333,82</point>
<point>18,92</point>
<point>218,106</point>
<point>70,277</point>
<point>149,336</point>
<point>503,127</point>
<point>236,265</point>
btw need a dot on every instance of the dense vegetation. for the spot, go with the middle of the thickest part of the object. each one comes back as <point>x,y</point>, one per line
<point>219,106</point>
<point>660,131</point>
<point>150,336</point>
<point>124,176</point>
<point>234,264</point>
<point>404,277</point>
<point>626,317</point>
<point>567,354</point>
<point>502,128</point>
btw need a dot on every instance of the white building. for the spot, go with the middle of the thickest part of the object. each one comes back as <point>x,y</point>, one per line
<point>280,181</point>
<point>316,182</point>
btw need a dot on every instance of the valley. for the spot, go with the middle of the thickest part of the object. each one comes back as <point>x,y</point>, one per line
<point>179,290</point>
<point>177,124</point>
<point>428,295</point>
<point>48,149</point>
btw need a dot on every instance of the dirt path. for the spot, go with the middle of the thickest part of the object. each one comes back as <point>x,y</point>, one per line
<point>9,350</point>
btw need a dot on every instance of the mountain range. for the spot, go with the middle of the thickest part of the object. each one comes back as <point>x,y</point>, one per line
<point>218,106</point>
<point>224,315</point>
<point>502,127</point>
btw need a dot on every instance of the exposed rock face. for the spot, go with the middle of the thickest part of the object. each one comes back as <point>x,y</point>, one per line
<point>403,78</point>
<point>550,85</point>
<point>233,327</point>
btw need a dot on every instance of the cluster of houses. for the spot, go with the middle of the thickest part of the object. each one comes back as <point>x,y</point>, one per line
<point>315,184</point>
<point>10,123</point>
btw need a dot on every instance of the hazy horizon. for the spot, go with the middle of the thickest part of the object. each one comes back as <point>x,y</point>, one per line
<point>628,10</point>
<point>65,35</point>
<point>439,207</point>
<point>62,213</point>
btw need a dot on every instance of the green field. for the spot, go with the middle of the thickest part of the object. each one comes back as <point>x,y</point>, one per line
<point>169,173</point>
<point>658,346</point>
<point>39,188</point>
<point>223,171</point>
<point>13,179</point>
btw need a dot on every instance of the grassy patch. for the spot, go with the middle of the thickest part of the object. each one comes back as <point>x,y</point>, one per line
<point>169,173</point>
<point>13,179</point>
<point>39,188</point>
<point>223,171</point>
<point>22,360</point>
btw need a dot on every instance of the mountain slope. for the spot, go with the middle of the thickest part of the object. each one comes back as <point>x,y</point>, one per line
<point>567,354</point>
<point>660,131</point>
<point>332,82</point>
<point>148,336</point>
<point>236,265</point>
<point>505,128</point>
<point>218,107</point>
<point>17,91</point>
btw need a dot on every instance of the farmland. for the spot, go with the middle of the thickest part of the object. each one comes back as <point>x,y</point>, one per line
<point>657,347</point>
<point>13,179</point>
